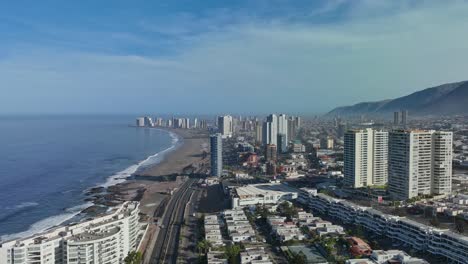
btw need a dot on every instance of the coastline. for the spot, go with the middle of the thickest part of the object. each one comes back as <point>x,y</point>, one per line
<point>151,184</point>
<point>124,186</point>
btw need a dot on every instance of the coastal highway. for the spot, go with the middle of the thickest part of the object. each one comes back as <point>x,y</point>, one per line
<point>167,243</point>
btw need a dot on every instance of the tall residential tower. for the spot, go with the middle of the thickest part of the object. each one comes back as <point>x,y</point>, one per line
<point>365,157</point>
<point>216,158</point>
<point>420,163</point>
<point>225,126</point>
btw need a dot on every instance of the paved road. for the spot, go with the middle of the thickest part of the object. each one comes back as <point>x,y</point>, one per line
<point>167,243</point>
<point>187,248</point>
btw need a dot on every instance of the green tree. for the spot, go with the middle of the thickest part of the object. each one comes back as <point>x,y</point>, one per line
<point>435,221</point>
<point>460,225</point>
<point>298,258</point>
<point>203,246</point>
<point>232,252</point>
<point>133,257</point>
<point>262,211</point>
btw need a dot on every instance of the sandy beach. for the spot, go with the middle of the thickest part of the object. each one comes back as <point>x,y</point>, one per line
<point>154,184</point>
<point>189,154</point>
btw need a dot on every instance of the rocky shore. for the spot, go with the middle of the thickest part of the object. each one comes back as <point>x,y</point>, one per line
<point>152,185</point>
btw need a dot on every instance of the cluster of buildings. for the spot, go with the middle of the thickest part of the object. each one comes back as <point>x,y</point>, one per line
<point>388,257</point>
<point>284,230</point>
<point>450,206</point>
<point>411,162</point>
<point>324,228</point>
<point>275,134</point>
<point>400,118</point>
<point>421,237</point>
<point>184,123</point>
<point>212,225</point>
<point>255,255</point>
<point>238,226</point>
<point>239,230</point>
<point>251,255</point>
<point>106,239</point>
<point>216,257</point>
<point>278,130</point>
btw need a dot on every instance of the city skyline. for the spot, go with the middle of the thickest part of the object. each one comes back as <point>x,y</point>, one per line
<point>309,57</point>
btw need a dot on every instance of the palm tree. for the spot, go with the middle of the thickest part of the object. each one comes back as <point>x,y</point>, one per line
<point>203,246</point>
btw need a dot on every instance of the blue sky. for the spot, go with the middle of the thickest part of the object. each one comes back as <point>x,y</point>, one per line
<point>213,56</point>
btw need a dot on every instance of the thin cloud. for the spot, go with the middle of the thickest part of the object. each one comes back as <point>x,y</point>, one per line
<point>254,65</point>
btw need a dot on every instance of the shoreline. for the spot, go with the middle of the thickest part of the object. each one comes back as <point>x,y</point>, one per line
<point>132,187</point>
<point>152,184</point>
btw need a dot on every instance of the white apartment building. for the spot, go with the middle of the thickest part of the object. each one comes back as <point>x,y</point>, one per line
<point>258,132</point>
<point>420,163</point>
<point>283,126</point>
<point>380,166</point>
<point>452,246</point>
<point>140,122</point>
<point>442,143</point>
<point>365,157</point>
<point>270,130</point>
<point>225,126</point>
<point>106,239</point>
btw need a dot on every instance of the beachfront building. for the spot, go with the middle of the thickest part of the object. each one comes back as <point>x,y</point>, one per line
<point>216,158</point>
<point>105,239</point>
<point>140,122</point>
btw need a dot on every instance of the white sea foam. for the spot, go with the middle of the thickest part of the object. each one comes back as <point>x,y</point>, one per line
<point>23,205</point>
<point>47,223</point>
<point>119,177</point>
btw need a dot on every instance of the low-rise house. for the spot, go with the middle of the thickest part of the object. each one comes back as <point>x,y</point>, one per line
<point>213,230</point>
<point>283,230</point>
<point>238,226</point>
<point>255,255</point>
<point>392,256</point>
<point>421,237</point>
<point>358,247</point>
<point>216,257</point>
<point>330,230</point>
<point>304,218</point>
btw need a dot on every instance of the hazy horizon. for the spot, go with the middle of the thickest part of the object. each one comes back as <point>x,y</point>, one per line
<point>212,57</point>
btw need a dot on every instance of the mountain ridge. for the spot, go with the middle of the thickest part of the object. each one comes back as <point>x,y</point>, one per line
<point>445,99</point>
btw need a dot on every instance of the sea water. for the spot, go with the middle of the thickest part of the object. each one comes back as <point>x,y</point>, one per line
<point>48,162</point>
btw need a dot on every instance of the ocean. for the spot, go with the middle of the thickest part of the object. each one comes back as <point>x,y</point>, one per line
<point>47,163</point>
